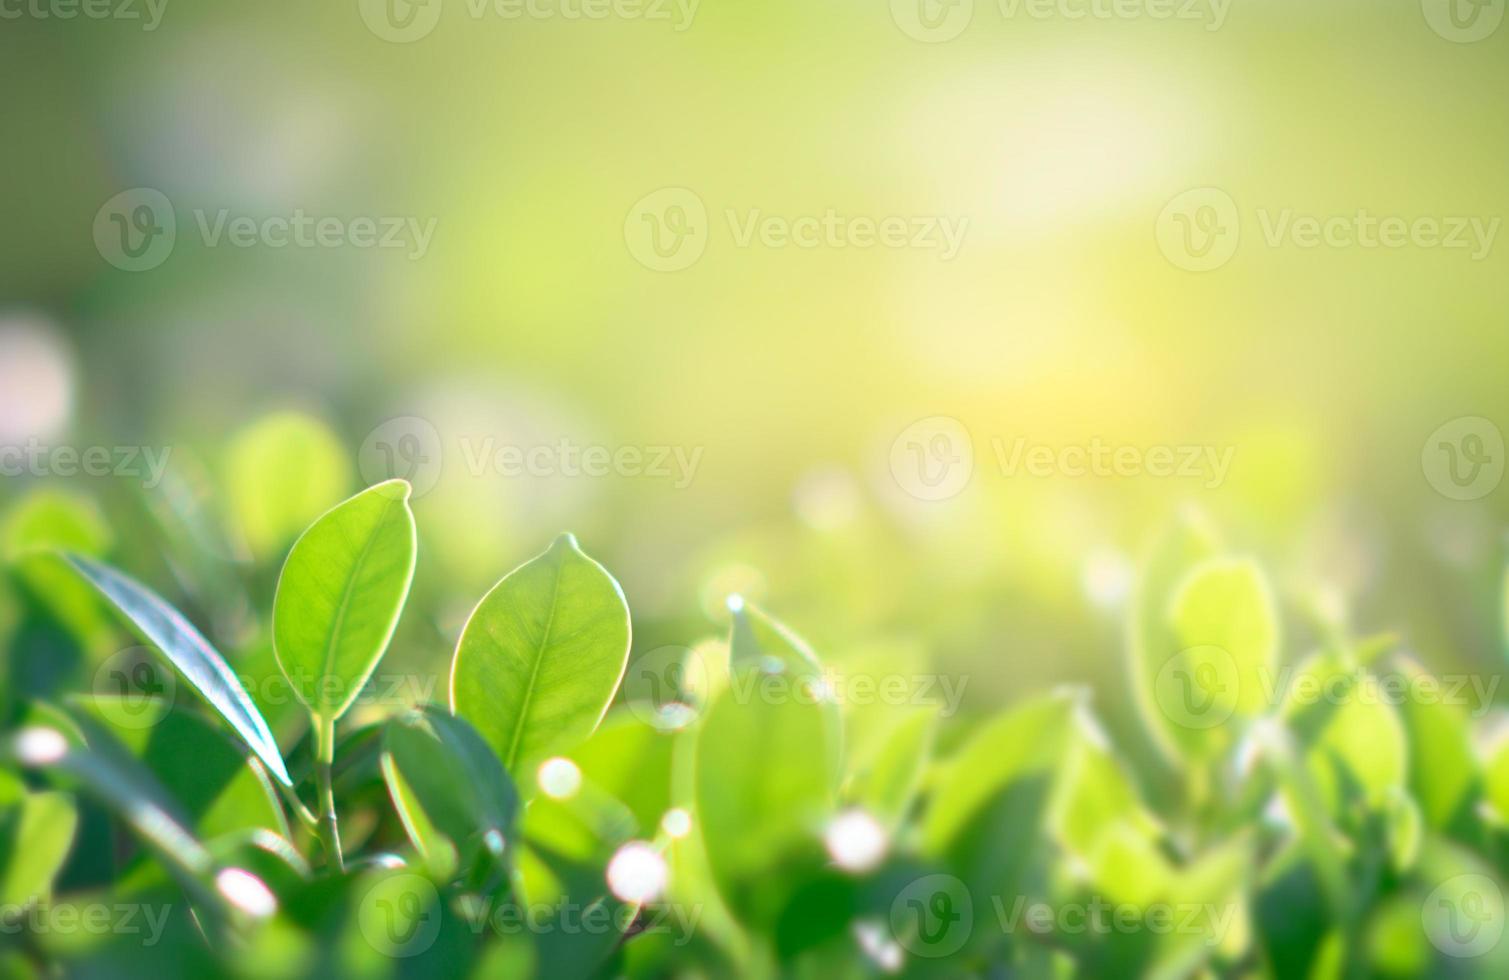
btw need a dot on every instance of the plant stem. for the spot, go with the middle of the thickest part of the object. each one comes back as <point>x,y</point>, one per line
<point>324,755</point>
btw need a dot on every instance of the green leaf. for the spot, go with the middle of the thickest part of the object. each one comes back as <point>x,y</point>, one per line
<point>220,788</point>
<point>987,815</point>
<point>1354,742</point>
<point>127,788</point>
<point>1444,775</point>
<point>340,595</point>
<point>190,654</point>
<point>887,781</point>
<point>764,775</point>
<point>541,655</point>
<point>1096,795</point>
<point>1151,643</point>
<point>49,520</point>
<point>1227,603</point>
<point>36,832</point>
<point>281,472</point>
<point>630,759</point>
<point>783,667</point>
<point>452,776</point>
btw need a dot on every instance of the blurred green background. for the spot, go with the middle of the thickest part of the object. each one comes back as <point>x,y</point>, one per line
<point>530,318</point>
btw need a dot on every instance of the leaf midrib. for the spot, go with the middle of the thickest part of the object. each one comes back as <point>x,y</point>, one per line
<point>345,603</point>
<point>534,670</point>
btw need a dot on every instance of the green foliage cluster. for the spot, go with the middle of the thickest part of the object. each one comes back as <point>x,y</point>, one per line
<point>542,818</point>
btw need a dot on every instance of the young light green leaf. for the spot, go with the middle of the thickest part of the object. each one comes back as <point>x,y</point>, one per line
<point>992,800</point>
<point>1151,643</point>
<point>190,654</point>
<point>541,655</point>
<point>452,775</point>
<point>1445,777</point>
<point>35,834</point>
<point>340,595</point>
<point>764,778</point>
<point>886,781</point>
<point>280,472</point>
<point>785,666</point>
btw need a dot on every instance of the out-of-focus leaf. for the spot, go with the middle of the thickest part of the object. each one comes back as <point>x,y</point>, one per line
<point>190,653</point>
<point>453,777</point>
<point>1151,641</point>
<point>48,520</point>
<point>887,779</point>
<point>1403,830</point>
<point>541,655</point>
<point>1496,778</point>
<point>1096,794</point>
<point>785,668</point>
<point>630,759</point>
<point>54,519</point>
<point>1224,625</point>
<point>987,815</point>
<point>1293,913</point>
<point>1444,775</point>
<point>1210,896</point>
<point>280,473</point>
<point>340,595</point>
<point>128,789</point>
<point>1306,807</point>
<point>1356,746</point>
<point>765,765</point>
<point>221,789</point>
<point>36,832</point>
